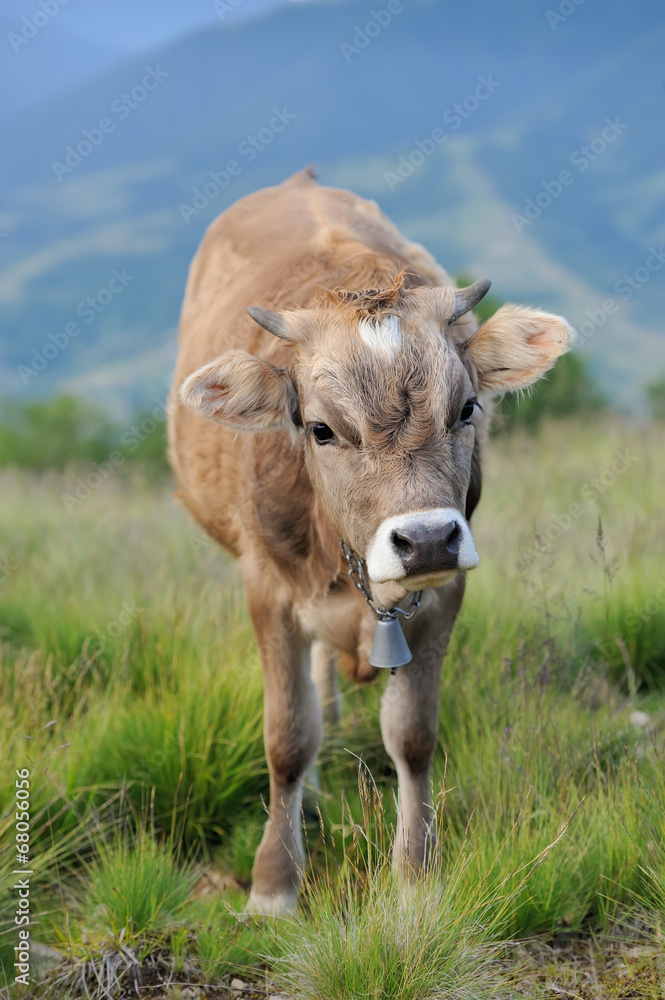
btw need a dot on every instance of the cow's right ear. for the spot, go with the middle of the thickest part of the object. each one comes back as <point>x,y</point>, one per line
<point>242,392</point>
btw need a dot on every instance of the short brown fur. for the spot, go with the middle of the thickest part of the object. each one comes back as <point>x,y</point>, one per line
<point>252,475</point>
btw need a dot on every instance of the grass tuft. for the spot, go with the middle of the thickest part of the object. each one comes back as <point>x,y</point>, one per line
<point>391,940</point>
<point>135,888</point>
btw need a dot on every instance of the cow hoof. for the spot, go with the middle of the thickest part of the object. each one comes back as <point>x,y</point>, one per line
<point>276,905</point>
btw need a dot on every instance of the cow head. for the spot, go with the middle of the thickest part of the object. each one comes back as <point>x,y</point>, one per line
<point>386,389</point>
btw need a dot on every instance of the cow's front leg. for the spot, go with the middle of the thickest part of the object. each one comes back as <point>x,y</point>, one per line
<point>292,732</point>
<point>409,724</point>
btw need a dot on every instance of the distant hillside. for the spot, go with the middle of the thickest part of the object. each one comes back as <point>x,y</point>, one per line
<point>531,98</point>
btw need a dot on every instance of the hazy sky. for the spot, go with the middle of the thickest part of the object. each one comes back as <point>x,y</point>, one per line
<point>131,25</point>
<point>86,36</point>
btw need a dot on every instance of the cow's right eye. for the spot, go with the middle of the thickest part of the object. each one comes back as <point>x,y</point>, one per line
<point>322,433</point>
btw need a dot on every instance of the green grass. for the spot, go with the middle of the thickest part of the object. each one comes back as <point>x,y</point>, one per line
<point>131,688</point>
<point>364,930</point>
<point>134,887</point>
<point>392,941</point>
<point>228,941</point>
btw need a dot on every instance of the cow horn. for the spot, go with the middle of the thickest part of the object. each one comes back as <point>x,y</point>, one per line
<point>469,297</point>
<point>271,321</point>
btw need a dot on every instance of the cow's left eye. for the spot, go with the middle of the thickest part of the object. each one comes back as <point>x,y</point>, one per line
<point>467,411</point>
<point>322,433</point>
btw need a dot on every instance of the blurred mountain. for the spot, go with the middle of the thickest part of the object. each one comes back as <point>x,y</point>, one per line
<point>38,64</point>
<point>535,88</point>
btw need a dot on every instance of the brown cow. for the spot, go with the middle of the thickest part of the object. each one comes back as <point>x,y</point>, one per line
<point>355,411</point>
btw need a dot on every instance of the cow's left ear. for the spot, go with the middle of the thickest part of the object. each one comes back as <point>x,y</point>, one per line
<point>242,392</point>
<point>516,346</point>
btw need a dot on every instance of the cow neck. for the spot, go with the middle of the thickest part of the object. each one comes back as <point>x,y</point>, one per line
<point>390,649</point>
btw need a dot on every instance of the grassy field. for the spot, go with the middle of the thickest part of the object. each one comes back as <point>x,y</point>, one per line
<point>131,691</point>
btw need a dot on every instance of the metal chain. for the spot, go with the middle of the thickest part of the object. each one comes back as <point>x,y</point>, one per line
<point>359,578</point>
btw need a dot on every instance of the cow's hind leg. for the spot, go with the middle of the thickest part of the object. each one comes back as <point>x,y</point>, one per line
<point>409,724</point>
<point>292,733</point>
<point>324,675</point>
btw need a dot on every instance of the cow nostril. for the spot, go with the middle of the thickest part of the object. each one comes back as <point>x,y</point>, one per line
<point>454,538</point>
<point>401,542</point>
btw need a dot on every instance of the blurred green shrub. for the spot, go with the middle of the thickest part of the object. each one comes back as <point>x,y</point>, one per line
<point>568,390</point>
<point>656,397</point>
<point>50,434</point>
<point>64,430</point>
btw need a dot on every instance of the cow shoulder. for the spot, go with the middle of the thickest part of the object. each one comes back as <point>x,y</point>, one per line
<point>282,498</point>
